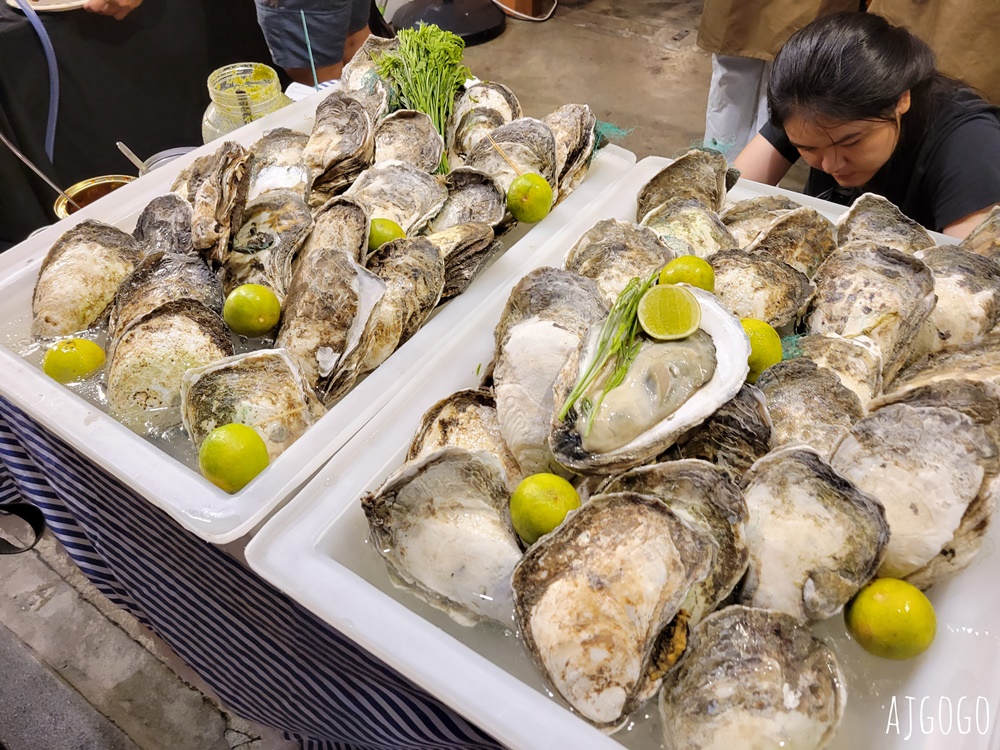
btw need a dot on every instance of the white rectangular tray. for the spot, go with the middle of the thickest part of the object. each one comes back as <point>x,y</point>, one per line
<point>317,551</point>
<point>183,493</point>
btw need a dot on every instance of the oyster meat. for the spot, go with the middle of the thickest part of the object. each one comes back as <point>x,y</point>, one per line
<point>802,238</point>
<point>670,387</point>
<point>815,538</point>
<point>689,227</point>
<point>752,678</point>
<point>614,252</point>
<point>340,147</point>
<point>408,135</point>
<point>165,226</point>
<point>262,389</point>
<point>872,218</point>
<point>442,526</point>
<point>399,191</point>
<point>593,596</point>
<point>747,218</point>
<point>697,174</point>
<point>276,163</point>
<point>79,277</point>
<point>758,286</point>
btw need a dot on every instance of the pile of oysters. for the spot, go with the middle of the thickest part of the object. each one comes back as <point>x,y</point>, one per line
<point>719,519</point>
<point>292,212</point>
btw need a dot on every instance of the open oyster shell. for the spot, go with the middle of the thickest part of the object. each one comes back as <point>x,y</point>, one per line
<point>815,539</point>
<point>689,227</point>
<point>410,136</point>
<point>872,218</point>
<point>593,597</point>
<point>442,525</point>
<point>276,163</point>
<point>479,109</point>
<point>758,286</point>
<point>671,387</point>
<point>752,678</point>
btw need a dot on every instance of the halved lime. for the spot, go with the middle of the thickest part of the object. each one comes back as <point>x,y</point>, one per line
<point>667,312</point>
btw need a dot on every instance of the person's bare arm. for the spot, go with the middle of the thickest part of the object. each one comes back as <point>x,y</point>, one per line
<point>117,9</point>
<point>959,229</point>
<point>761,162</point>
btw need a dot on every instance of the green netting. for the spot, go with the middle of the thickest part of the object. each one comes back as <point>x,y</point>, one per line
<point>607,132</point>
<point>790,347</point>
<point>723,147</point>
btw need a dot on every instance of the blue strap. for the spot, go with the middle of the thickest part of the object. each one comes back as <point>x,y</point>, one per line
<point>50,59</point>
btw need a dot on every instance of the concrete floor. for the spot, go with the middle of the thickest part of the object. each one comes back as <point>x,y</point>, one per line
<point>89,676</point>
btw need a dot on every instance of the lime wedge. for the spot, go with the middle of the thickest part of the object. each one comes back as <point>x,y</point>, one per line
<point>667,312</point>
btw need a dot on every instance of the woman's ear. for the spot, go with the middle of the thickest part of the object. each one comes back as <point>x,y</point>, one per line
<point>903,105</point>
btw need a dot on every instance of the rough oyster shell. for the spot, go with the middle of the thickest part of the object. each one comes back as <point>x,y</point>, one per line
<point>802,238</point>
<point>414,273</point>
<point>340,147</point>
<point>79,277</point>
<point>479,109</point>
<point>979,361</point>
<point>689,227</point>
<point>705,497</point>
<point>216,186</point>
<point>872,218</point>
<point>529,146</point>
<point>573,128</point>
<point>731,349</point>
<point>747,218</point>
<point>276,163</point>
<point>752,678</point>
<point>815,539</point>
<point>149,359</point>
<point>758,286</point>
<point>808,404</point>
<point>934,470</point>
<point>465,419</point>
<point>399,191</point>
<point>875,291</point>
<point>593,596</point>
<point>361,80</point>
<point>697,174</point>
<point>165,226</point>
<point>465,250</point>
<point>274,227</point>
<point>473,197</point>
<point>614,252</point>
<point>985,238</point>
<point>262,389</point>
<point>410,136</point>
<point>736,435</point>
<point>857,361</point>
<point>341,224</point>
<point>159,278</point>
<point>442,525</point>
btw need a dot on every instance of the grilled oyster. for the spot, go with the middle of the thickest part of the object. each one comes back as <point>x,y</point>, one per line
<point>752,678</point>
<point>473,197</point>
<point>614,252</point>
<point>697,174</point>
<point>758,286</point>
<point>670,387</point>
<point>689,227</point>
<point>274,227</point>
<point>399,191</point>
<point>857,361</point>
<point>593,597</point>
<point>340,147</point>
<point>872,218</point>
<point>276,163</point>
<point>165,226</point>
<point>408,135</point>
<point>545,317</point>
<point>79,277</point>
<point>802,238</point>
<point>573,128</point>
<point>479,109</point>
<point>262,389</point>
<point>149,359</point>
<point>808,404</point>
<point>442,526</point>
<point>414,274</point>
<point>528,145</point>
<point>934,469</point>
<point>985,238</point>
<point>159,278</point>
<point>747,218</point>
<point>815,539</point>
<point>465,419</point>
<point>216,186</point>
<point>736,435</point>
<point>875,291</point>
<point>465,250</point>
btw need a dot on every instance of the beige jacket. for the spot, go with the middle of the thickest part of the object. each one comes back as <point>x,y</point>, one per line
<point>758,28</point>
<point>964,34</point>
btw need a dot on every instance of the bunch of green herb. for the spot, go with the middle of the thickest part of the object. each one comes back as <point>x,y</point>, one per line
<point>619,339</point>
<point>426,72</point>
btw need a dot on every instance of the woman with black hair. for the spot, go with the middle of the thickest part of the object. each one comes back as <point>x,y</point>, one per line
<point>861,101</point>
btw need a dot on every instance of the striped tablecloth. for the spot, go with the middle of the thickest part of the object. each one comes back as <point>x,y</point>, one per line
<point>268,659</point>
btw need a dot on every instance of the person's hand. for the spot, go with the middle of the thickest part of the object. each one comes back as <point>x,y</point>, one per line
<point>118,9</point>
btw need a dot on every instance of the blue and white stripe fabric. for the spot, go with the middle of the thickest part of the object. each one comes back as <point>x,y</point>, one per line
<point>267,658</point>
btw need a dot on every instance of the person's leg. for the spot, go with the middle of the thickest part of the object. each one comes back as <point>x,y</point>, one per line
<point>329,23</point>
<point>734,101</point>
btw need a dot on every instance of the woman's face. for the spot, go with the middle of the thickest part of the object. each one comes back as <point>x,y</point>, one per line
<point>850,151</point>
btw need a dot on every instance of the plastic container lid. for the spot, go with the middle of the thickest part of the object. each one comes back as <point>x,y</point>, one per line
<point>162,157</point>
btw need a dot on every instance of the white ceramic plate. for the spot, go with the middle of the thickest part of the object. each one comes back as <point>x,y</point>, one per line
<point>317,551</point>
<point>177,488</point>
<point>50,6</point>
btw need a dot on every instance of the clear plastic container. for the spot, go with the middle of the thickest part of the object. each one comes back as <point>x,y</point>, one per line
<point>240,93</point>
